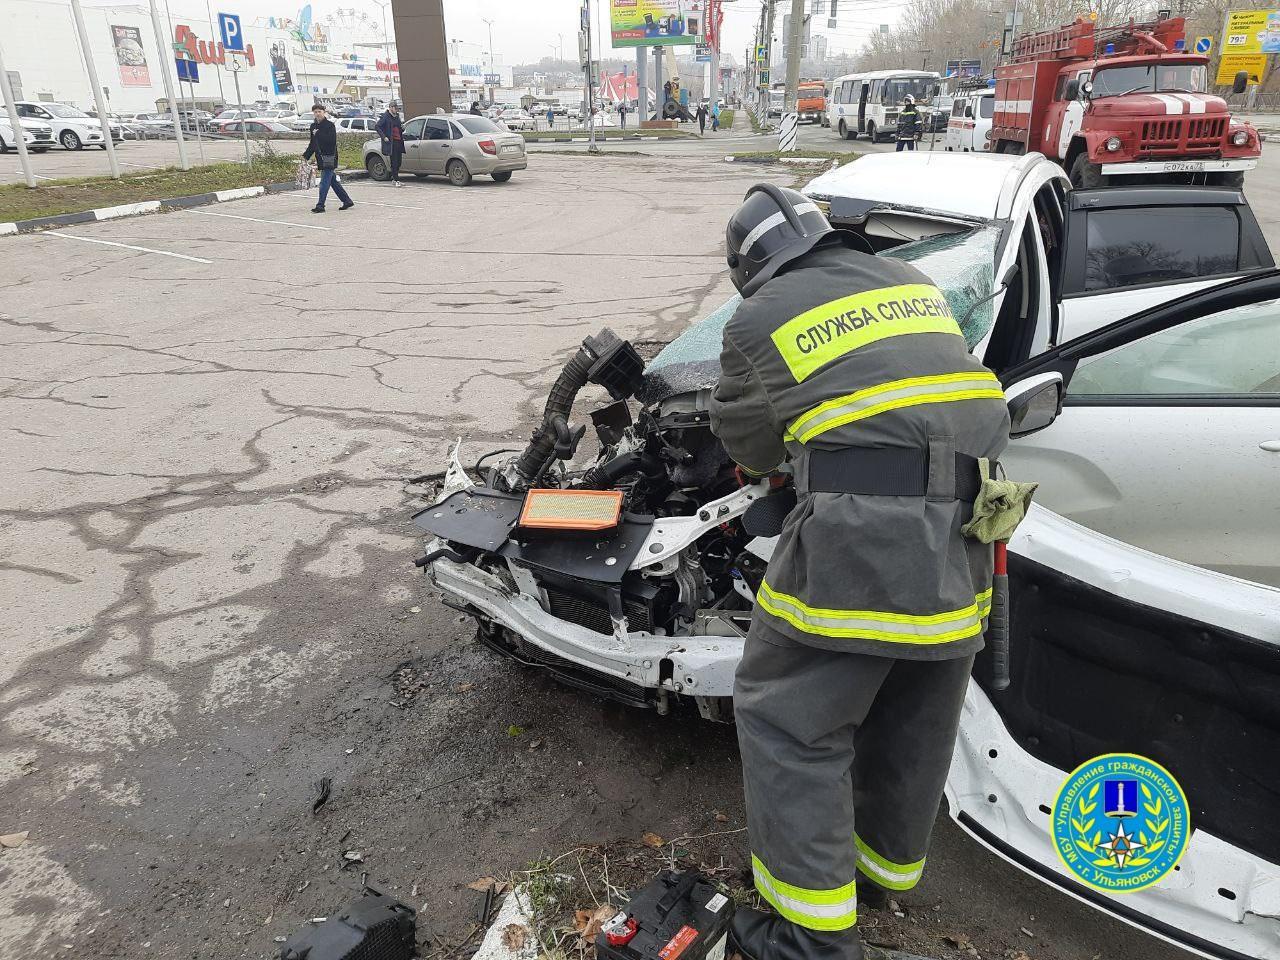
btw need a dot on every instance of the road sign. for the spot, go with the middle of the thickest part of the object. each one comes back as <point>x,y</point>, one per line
<point>229,26</point>
<point>188,71</point>
<point>1204,45</point>
<point>762,53</point>
<point>236,61</point>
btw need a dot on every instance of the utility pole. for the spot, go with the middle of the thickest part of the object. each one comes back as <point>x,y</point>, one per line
<point>793,54</point>
<point>15,125</point>
<point>592,146</point>
<point>165,65</point>
<point>767,83</point>
<point>98,102</point>
<point>490,23</point>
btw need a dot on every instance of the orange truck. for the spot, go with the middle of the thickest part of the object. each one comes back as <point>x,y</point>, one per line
<point>1124,104</point>
<point>811,101</point>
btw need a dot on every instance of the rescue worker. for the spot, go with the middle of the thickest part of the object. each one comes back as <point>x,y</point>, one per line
<point>910,125</point>
<point>848,694</point>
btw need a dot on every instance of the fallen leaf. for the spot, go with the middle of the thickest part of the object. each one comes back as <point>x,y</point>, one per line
<point>483,884</point>
<point>12,840</point>
<point>514,936</point>
<point>651,839</point>
<point>595,920</point>
<point>580,919</point>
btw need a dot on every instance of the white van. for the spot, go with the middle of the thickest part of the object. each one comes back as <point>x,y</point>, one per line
<point>969,127</point>
<point>868,104</point>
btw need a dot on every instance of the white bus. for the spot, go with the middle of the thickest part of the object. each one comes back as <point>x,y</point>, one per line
<point>868,103</point>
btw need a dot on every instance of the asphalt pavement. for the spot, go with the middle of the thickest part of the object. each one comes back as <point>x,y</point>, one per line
<point>211,419</point>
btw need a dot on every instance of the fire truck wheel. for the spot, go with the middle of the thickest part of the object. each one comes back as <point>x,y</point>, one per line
<point>1086,175</point>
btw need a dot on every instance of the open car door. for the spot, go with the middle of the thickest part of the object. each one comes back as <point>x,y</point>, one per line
<point>1120,649</point>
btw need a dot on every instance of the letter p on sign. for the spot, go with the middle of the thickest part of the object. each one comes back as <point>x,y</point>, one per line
<point>229,25</point>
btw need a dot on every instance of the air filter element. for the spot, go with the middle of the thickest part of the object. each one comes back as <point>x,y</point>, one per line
<point>571,510</point>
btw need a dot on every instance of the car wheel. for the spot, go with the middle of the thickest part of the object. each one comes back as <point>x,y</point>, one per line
<point>458,173</point>
<point>377,167</point>
<point>502,176</point>
<point>4,147</point>
<point>1086,175</point>
<point>70,141</point>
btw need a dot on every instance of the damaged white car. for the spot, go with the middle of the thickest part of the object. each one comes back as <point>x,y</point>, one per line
<point>634,577</point>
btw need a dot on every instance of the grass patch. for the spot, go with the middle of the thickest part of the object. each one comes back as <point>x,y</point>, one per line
<point>726,119</point>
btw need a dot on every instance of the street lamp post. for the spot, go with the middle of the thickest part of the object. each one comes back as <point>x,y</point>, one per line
<point>490,24</point>
<point>386,46</point>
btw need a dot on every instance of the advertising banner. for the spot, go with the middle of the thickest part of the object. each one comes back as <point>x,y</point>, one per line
<point>130,56</point>
<point>1247,37</point>
<point>656,23</point>
<point>281,75</point>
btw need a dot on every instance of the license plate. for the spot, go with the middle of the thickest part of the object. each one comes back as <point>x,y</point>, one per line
<point>1184,166</point>
<point>511,148</point>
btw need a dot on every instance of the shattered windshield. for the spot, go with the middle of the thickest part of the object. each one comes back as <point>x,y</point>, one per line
<point>961,264</point>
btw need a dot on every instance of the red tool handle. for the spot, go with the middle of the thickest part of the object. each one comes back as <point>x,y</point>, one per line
<point>998,622</point>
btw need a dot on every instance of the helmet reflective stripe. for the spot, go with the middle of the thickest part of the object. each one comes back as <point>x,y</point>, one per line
<point>764,226</point>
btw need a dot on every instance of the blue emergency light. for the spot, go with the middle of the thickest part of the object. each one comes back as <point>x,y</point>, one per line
<point>1110,49</point>
<point>1180,44</point>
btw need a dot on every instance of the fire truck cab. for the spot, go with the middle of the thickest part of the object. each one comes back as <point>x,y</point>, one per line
<point>1126,101</point>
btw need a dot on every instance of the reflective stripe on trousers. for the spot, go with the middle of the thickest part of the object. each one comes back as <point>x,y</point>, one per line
<point>835,909</point>
<point>942,388</point>
<point>877,625</point>
<point>886,873</point>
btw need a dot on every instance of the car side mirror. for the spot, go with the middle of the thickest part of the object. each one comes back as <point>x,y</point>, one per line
<point>1086,88</point>
<point>1241,82</point>
<point>1034,403</point>
<point>1072,91</point>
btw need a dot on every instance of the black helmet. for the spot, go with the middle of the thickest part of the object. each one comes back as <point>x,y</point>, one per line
<point>773,226</point>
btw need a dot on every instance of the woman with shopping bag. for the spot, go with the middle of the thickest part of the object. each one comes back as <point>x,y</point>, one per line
<point>324,147</point>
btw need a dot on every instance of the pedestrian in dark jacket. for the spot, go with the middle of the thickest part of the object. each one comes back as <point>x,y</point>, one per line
<point>475,109</point>
<point>324,147</point>
<point>702,119</point>
<point>391,130</point>
<point>909,124</point>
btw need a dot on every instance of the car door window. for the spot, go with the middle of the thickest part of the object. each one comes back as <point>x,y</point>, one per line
<point>454,132</point>
<point>1133,246</point>
<point>437,129</point>
<point>413,129</point>
<point>1234,353</point>
<point>986,107</point>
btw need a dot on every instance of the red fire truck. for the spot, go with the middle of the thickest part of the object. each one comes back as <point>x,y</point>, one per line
<point>1126,101</point>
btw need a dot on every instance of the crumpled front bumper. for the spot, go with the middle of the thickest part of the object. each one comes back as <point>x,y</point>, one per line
<point>700,666</point>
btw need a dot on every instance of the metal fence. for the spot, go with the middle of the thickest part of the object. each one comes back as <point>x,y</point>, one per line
<point>1261,102</point>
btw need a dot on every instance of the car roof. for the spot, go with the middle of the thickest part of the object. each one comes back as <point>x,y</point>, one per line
<point>927,180</point>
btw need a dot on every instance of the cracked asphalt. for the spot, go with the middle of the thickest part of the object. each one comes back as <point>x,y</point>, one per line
<point>205,565</point>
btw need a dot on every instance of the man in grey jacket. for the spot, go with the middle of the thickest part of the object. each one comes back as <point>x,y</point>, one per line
<point>847,699</point>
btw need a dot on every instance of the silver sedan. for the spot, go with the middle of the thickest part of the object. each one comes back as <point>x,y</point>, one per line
<point>458,146</point>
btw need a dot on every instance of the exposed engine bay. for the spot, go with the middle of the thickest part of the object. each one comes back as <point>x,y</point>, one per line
<point>647,546</point>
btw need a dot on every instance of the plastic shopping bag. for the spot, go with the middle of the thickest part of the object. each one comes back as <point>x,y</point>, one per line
<point>305,177</point>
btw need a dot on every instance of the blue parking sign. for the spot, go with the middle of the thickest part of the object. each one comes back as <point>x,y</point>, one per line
<point>188,71</point>
<point>229,25</point>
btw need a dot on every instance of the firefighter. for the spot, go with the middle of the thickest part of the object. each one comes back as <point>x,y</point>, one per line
<point>850,370</point>
<point>910,125</point>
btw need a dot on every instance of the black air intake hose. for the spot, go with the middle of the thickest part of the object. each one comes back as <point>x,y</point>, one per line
<point>605,475</point>
<point>554,431</point>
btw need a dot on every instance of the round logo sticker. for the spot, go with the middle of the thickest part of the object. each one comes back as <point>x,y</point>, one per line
<point>1121,822</point>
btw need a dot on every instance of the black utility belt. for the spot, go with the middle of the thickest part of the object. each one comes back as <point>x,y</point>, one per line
<point>887,472</point>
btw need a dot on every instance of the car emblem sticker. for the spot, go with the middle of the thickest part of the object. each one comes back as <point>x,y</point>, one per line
<point>1121,823</point>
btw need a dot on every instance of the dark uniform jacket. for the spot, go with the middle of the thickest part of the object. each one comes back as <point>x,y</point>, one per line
<point>850,350</point>
<point>323,144</point>
<point>910,123</point>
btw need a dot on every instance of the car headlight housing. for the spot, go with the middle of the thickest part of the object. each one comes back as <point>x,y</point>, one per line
<point>1113,144</point>
<point>1240,137</point>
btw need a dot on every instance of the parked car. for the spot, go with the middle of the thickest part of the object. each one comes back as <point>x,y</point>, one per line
<point>514,118</point>
<point>302,122</point>
<point>968,122</point>
<point>365,125</point>
<point>1115,648</point>
<point>37,136</point>
<point>73,128</point>
<point>459,146</point>
<point>254,128</point>
<point>156,124</point>
<point>238,113</point>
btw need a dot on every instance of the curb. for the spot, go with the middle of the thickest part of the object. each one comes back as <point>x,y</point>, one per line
<point>801,161</point>
<point>156,206</point>
<point>600,139</point>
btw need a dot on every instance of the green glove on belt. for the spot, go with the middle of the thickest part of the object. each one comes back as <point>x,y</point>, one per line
<point>999,507</point>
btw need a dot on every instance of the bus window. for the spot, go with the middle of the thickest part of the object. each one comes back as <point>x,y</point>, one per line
<point>877,92</point>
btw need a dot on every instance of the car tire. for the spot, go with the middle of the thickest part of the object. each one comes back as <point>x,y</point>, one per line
<point>377,167</point>
<point>4,147</point>
<point>1086,175</point>
<point>70,141</point>
<point>458,173</point>
<point>502,176</point>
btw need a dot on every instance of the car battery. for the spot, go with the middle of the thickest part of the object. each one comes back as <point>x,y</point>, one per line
<point>679,916</point>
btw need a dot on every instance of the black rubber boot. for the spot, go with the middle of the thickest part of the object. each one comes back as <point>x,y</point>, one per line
<point>767,936</point>
<point>871,896</point>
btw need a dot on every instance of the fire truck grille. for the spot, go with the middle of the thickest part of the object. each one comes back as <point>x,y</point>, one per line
<point>1183,135</point>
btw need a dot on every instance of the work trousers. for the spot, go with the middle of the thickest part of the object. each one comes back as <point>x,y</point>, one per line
<point>329,178</point>
<point>396,157</point>
<point>844,758</point>
<point>905,145</point>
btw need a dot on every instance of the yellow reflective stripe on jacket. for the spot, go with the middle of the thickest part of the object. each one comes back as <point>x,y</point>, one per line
<point>872,624</point>
<point>984,603</point>
<point>913,391</point>
<point>886,873</point>
<point>830,330</point>
<point>835,909</point>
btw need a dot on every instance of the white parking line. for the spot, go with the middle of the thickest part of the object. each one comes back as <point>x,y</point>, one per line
<point>283,223</point>
<point>371,203</point>
<point>36,175</point>
<point>127,246</point>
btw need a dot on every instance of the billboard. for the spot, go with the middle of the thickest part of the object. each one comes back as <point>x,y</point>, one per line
<point>130,57</point>
<point>1247,37</point>
<point>281,75</point>
<point>656,23</point>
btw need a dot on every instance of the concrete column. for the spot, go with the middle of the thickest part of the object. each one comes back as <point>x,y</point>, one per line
<point>423,57</point>
<point>642,81</point>
<point>657,81</point>
<point>714,85</point>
